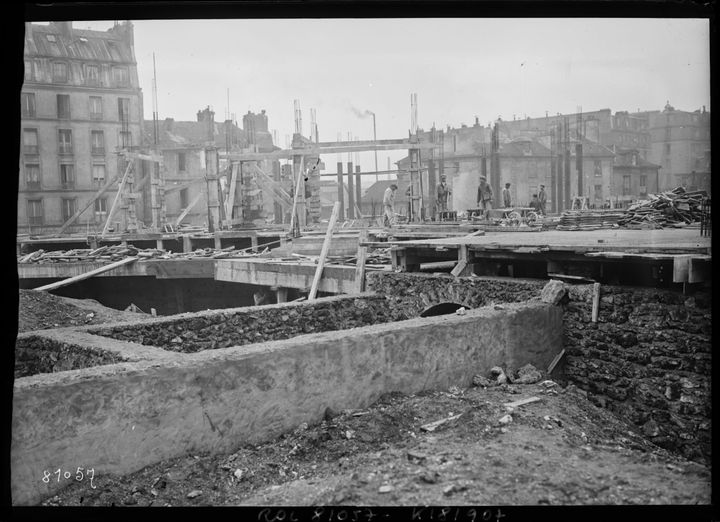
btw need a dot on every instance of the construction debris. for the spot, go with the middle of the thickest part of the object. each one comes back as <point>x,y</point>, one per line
<point>528,374</point>
<point>675,208</point>
<point>432,426</point>
<point>521,402</point>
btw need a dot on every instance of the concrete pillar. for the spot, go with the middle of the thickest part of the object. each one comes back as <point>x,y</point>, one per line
<point>217,243</point>
<point>179,298</point>
<point>254,243</point>
<point>159,244</point>
<point>213,202</point>
<point>187,243</point>
<point>281,294</point>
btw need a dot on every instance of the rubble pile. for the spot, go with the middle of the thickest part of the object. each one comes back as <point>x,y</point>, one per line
<point>667,209</point>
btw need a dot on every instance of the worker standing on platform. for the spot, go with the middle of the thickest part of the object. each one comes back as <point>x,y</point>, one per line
<point>484,197</point>
<point>535,203</point>
<point>542,198</point>
<point>442,194</point>
<point>507,200</point>
<point>389,205</point>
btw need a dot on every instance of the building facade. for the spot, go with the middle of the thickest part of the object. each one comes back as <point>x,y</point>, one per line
<point>634,177</point>
<point>681,146</point>
<point>81,103</point>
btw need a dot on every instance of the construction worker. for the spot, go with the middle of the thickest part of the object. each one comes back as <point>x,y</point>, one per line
<point>484,197</point>
<point>389,205</point>
<point>535,204</point>
<point>507,200</point>
<point>442,194</point>
<point>542,198</point>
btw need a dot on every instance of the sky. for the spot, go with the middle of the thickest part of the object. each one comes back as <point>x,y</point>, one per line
<point>460,69</point>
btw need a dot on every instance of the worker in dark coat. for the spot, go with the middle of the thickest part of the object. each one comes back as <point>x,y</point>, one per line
<point>542,198</point>
<point>443,190</point>
<point>484,196</point>
<point>507,200</point>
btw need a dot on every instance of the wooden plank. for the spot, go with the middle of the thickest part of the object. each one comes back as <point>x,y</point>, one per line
<point>522,402</point>
<point>185,212</point>
<point>432,426</point>
<point>595,302</point>
<point>117,198</point>
<point>360,264</point>
<point>324,251</point>
<point>555,361</point>
<point>86,275</point>
<point>77,214</point>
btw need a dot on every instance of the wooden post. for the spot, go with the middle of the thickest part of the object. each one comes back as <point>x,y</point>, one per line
<point>186,243</point>
<point>360,263</point>
<point>117,198</point>
<point>324,251</point>
<point>159,244</point>
<point>596,302</point>
<point>188,208</point>
<point>216,241</point>
<point>86,275</point>
<point>254,243</point>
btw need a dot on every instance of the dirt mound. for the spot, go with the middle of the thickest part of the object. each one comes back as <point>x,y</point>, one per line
<point>42,310</point>
<point>560,449</point>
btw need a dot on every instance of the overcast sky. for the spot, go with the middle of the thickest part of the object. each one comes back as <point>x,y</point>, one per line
<point>459,68</point>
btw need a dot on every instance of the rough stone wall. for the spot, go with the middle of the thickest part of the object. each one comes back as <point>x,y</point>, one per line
<point>198,332</point>
<point>37,354</point>
<point>647,358</point>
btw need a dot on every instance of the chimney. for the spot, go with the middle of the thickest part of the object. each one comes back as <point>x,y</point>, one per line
<point>64,28</point>
<point>124,31</point>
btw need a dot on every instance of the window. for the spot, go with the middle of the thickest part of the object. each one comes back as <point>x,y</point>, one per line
<point>92,75</point>
<point>183,198</point>
<point>28,70</point>
<point>626,185</point>
<point>643,184</point>
<point>67,175</point>
<point>63,106</point>
<point>68,208</point>
<point>30,141</point>
<point>96,107</point>
<point>454,142</point>
<point>125,139</point>
<point>598,193</point>
<point>124,109</point>
<point>181,161</point>
<point>120,76</point>
<point>667,148</point>
<point>35,211</point>
<point>98,174</point>
<point>28,105</point>
<point>32,176</point>
<point>97,142</point>
<point>100,208</point>
<point>59,72</point>
<point>597,168</point>
<point>65,141</point>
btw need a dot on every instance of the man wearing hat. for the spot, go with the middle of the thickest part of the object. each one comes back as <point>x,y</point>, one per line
<point>484,196</point>
<point>542,198</point>
<point>389,205</point>
<point>506,197</point>
<point>442,194</point>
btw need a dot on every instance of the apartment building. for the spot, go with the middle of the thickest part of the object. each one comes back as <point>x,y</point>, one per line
<point>81,104</point>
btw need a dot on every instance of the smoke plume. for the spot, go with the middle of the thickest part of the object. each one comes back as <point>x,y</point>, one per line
<point>360,114</point>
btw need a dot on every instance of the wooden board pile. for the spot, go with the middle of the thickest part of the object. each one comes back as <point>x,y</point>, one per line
<point>117,252</point>
<point>675,208</point>
<point>589,219</point>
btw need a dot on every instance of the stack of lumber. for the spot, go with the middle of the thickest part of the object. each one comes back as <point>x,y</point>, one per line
<point>117,252</point>
<point>675,208</point>
<point>589,219</point>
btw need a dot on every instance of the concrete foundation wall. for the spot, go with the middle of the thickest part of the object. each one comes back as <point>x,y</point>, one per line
<point>119,418</point>
<point>648,358</point>
<point>240,326</point>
